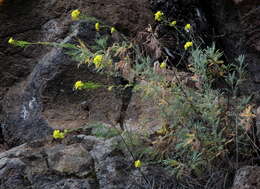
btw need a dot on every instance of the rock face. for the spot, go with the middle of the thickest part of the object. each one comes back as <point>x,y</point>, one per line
<point>23,112</point>
<point>247,178</point>
<point>232,24</point>
<point>77,162</point>
<point>250,16</point>
<point>29,109</point>
<point>58,166</point>
<point>50,165</point>
<point>70,160</point>
<point>48,21</point>
<point>44,20</point>
<point>237,23</point>
<point>45,99</point>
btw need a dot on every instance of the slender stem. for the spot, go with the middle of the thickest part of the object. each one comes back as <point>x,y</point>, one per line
<point>128,149</point>
<point>236,143</point>
<point>131,153</point>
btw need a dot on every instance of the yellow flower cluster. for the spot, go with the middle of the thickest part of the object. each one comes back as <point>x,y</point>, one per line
<point>187,27</point>
<point>11,41</point>
<point>97,26</point>
<point>98,60</point>
<point>158,16</point>
<point>57,134</point>
<point>138,163</point>
<point>173,23</point>
<point>187,45</point>
<point>163,65</point>
<point>113,29</point>
<point>75,14</point>
<point>79,85</point>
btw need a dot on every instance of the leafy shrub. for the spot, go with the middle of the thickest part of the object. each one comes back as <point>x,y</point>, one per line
<point>203,126</point>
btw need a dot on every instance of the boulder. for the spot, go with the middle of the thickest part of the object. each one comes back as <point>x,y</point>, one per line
<point>47,165</point>
<point>77,162</point>
<point>70,160</point>
<point>12,173</point>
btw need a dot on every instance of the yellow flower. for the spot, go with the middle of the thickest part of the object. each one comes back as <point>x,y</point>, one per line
<point>113,29</point>
<point>97,26</point>
<point>163,65</point>
<point>98,60</point>
<point>57,134</point>
<point>75,14</point>
<point>187,45</point>
<point>173,23</point>
<point>138,163</point>
<point>79,85</point>
<point>187,27</point>
<point>11,41</point>
<point>248,112</point>
<point>158,16</point>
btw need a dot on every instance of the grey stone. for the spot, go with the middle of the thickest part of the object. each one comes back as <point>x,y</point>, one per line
<point>47,167</point>
<point>110,164</point>
<point>70,160</point>
<point>23,117</point>
<point>12,174</point>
